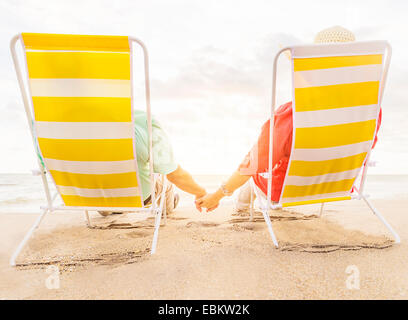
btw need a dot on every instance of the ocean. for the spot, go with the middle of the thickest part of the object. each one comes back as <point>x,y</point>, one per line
<point>24,193</point>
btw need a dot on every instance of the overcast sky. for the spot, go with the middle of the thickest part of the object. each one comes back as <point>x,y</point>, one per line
<point>211,64</point>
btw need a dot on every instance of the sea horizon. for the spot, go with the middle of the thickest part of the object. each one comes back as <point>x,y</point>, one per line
<point>24,193</point>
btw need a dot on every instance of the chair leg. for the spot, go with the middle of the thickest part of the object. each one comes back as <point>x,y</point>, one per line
<point>27,237</point>
<point>164,206</point>
<point>382,219</point>
<point>269,224</point>
<point>88,221</point>
<point>321,209</point>
<point>156,231</point>
<point>251,206</point>
<point>164,215</point>
<point>159,213</point>
<point>264,206</point>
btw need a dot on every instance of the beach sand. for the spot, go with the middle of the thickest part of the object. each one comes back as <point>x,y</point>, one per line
<point>218,255</point>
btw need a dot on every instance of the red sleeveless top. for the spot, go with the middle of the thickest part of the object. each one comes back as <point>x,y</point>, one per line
<point>256,161</point>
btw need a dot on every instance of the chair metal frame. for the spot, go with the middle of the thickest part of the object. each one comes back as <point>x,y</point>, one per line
<point>158,206</point>
<point>266,204</point>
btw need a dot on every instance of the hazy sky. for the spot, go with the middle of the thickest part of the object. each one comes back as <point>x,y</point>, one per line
<point>211,64</point>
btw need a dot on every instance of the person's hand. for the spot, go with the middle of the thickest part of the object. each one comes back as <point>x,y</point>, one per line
<point>199,196</point>
<point>209,201</point>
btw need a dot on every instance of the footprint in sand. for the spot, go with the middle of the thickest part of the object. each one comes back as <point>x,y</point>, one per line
<point>247,226</point>
<point>201,224</point>
<point>176,218</point>
<point>137,234</point>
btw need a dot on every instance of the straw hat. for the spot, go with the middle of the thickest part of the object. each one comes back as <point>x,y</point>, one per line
<point>334,34</point>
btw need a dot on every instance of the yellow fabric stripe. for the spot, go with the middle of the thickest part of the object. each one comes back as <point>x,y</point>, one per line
<point>303,64</point>
<point>315,168</point>
<point>102,202</point>
<point>78,65</point>
<point>82,109</point>
<point>336,96</point>
<point>299,203</point>
<point>87,149</point>
<point>44,41</point>
<point>320,188</point>
<point>95,181</point>
<point>333,136</point>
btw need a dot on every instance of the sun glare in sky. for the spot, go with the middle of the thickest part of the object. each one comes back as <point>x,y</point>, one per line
<point>211,66</point>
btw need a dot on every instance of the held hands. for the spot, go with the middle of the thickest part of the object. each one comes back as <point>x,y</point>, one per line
<point>198,207</point>
<point>209,201</point>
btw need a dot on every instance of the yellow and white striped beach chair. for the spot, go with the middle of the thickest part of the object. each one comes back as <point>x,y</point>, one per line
<point>79,105</point>
<point>337,92</point>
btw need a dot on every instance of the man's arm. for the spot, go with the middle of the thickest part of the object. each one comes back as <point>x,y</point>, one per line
<point>184,181</point>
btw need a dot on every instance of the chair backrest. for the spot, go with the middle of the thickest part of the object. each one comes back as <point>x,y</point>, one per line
<point>81,93</point>
<point>337,90</point>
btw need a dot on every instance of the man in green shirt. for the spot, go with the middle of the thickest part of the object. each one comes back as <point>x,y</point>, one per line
<point>163,163</point>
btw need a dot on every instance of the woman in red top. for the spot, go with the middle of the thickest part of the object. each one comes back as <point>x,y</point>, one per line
<point>256,161</point>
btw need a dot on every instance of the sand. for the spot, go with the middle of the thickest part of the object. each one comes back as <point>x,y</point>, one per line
<point>220,255</point>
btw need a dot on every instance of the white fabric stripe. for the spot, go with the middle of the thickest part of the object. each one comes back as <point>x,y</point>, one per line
<point>321,118</point>
<point>316,197</point>
<point>339,49</point>
<point>91,167</point>
<point>99,193</point>
<point>333,76</point>
<point>80,88</point>
<point>84,130</point>
<point>329,177</point>
<point>331,153</point>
